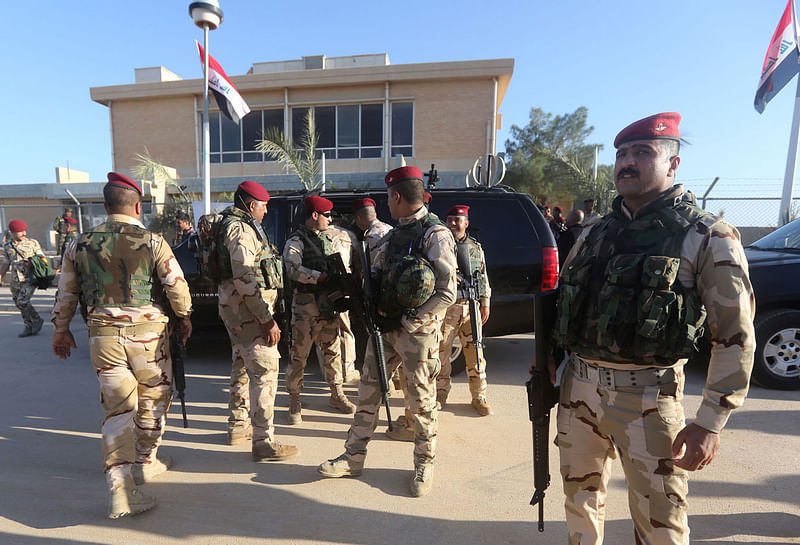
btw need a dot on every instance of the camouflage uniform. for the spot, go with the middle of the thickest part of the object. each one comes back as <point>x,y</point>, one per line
<point>65,233</point>
<point>313,317</point>
<point>245,302</point>
<point>374,235</point>
<point>457,322</point>
<point>416,345</point>
<point>14,255</point>
<point>128,342</point>
<point>600,417</point>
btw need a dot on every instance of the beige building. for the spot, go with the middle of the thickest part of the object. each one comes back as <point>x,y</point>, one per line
<point>366,112</point>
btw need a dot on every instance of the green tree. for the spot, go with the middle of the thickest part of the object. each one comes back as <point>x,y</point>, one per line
<point>302,161</point>
<point>550,158</point>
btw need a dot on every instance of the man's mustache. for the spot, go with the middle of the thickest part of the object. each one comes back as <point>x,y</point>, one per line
<point>628,170</point>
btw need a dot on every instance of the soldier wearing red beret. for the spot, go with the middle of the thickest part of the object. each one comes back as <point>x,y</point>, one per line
<point>315,316</point>
<point>372,229</point>
<point>411,309</point>
<point>250,273</point>
<point>117,270</point>
<point>633,299</point>
<point>14,258</point>
<point>66,228</point>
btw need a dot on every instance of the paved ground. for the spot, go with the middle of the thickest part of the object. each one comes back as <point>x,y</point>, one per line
<point>53,490</point>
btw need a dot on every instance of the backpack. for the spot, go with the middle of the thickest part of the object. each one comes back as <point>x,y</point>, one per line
<point>42,273</point>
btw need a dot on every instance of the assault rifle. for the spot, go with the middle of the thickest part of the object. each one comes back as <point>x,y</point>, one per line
<point>370,319</point>
<point>178,351</point>
<point>344,287</point>
<point>471,289</point>
<point>542,395</point>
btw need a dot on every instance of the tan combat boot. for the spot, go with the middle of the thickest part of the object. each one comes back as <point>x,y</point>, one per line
<point>264,451</point>
<point>239,434</point>
<point>147,471</point>
<point>341,466</point>
<point>294,409</point>
<point>126,499</point>
<point>422,481</point>
<point>353,377</point>
<point>402,430</point>
<point>441,399</point>
<point>481,406</point>
<point>340,401</point>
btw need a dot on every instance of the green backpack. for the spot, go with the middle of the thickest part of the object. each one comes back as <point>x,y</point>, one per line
<point>42,272</point>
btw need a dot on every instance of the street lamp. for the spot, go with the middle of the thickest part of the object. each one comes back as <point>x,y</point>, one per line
<point>208,16</point>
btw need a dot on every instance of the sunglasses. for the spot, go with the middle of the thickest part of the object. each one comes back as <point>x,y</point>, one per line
<point>326,214</point>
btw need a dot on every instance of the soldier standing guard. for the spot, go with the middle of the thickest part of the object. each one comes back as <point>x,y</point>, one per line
<point>250,276</point>
<point>118,271</point>
<point>372,229</point>
<point>17,249</point>
<point>634,295</point>
<point>416,273</point>
<point>314,318</point>
<point>457,321</point>
<point>66,228</point>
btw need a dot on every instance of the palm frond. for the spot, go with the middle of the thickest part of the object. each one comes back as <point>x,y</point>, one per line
<point>148,168</point>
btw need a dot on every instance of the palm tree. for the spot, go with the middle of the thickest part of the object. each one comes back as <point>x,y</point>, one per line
<point>302,161</point>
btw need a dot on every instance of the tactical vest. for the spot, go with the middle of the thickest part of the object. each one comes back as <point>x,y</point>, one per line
<point>115,263</point>
<point>315,248</point>
<point>620,299</point>
<point>268,266</point>
<point>475,269</point>
<point>405,242</point>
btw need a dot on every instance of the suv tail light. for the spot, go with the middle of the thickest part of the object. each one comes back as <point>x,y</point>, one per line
<point>549,268</point>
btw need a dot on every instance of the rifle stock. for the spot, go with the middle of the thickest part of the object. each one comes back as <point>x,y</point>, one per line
<point>542,396</point>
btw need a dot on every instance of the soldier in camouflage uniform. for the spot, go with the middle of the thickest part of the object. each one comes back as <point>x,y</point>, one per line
<point>250,274</point>
<point>66,228</point>
<point>457,321</point>
<point>124,277</point>
<point>14,259</point>
<point>411,309</point>
<point>314,310</point>
<point>633,296</point>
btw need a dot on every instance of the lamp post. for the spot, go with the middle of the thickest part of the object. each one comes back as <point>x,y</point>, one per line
<point>208,16</point>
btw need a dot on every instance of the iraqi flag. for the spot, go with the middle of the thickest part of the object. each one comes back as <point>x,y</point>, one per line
<point>781,61</point>
<point>229,100</point>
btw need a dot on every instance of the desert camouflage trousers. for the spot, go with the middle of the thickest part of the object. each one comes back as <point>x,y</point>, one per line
<point>22,292</point>
<point>254,374</point>
<point>308,327</point>
<point>457,323</point>
<point>595,425</point>
<point>135,375</point>
<point>419,356</point>
<point>347,347</point>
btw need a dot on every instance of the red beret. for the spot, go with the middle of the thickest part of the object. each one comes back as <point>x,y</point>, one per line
<point>658,126</point>
<point>361,203</point>
<point>458,210</point>
<point>17,226</point>
<point>118,180</point>
<point>402,174</point>
<point>70,220</point>
<point>315,203</point>
<point>255,190</point>
<point>427,198</point>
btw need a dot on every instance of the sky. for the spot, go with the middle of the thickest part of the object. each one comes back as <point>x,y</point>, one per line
<point>622,60</point>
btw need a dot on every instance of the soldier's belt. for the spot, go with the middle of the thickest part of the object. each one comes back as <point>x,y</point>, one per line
<point>128,331</point>
<point>616,378</point>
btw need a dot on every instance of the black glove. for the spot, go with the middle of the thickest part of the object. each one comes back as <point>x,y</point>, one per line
<point>342,304</point>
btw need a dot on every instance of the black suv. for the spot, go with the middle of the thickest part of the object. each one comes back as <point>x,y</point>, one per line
<point>521,254</point>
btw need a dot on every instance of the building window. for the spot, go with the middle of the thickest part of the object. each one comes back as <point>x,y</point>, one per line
<point>232,143</point>
<point>347,131</point>
<point>402,129</point>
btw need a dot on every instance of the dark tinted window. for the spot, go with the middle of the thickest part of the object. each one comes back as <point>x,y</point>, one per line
<point>325,121</point>
<point>372,125</point>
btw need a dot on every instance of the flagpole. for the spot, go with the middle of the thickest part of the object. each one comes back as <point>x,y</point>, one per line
<point>206,130</point>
